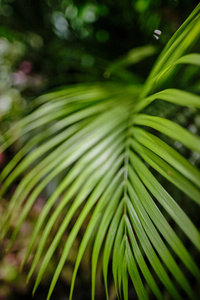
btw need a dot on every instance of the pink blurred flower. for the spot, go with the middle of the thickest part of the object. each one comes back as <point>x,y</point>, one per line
<point>25,67</point>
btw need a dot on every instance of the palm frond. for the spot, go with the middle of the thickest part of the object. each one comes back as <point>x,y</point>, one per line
<point>103,149</point>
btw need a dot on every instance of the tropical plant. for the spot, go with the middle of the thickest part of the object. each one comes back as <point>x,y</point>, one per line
<point>109,154</point>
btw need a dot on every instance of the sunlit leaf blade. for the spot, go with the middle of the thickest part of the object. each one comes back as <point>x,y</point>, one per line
<point>77,176</point>
<point>116,262</point>
<point>175,96</point>
<point>134,274</point>
<point>193,59</point>
<point>190,59</point>
<point>168,172</point>
<point>171,129</point>
<point>98,190</point>
<point>170,205</point>
<point>109,242</point>
<point>141,262</point>
<point>90,184</point>
<point>63,159</point>
<point>104,223</point>
<point>58,139</point>
<point>185,37</point>
<point>90,202</point>
<point>124,270</point>
<point>114,147</point>
<point>146,245</point>
<point>170,155</point>
<point>155,238</point>
<point>108,215</point>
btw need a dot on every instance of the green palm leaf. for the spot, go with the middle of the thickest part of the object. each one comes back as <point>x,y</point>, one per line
<point>103,149</point>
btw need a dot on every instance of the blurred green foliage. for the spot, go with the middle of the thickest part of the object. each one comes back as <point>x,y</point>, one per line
<point>71,41</point>
<point>47,44</point>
